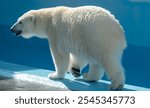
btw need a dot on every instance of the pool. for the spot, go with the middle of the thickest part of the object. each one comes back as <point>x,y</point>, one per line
<point>134,17</point>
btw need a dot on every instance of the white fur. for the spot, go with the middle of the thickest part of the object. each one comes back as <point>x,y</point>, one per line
<point>80,36</point>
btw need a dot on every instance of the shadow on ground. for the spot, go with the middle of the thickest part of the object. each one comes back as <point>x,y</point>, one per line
<point>81,85</point>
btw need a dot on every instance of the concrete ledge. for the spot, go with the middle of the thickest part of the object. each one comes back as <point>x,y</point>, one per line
<point>30,78</point>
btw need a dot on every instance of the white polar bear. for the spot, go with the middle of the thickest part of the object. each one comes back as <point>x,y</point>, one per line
<point>77,37</point>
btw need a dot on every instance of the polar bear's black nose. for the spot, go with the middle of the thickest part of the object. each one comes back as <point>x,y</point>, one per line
<point>11,29</point>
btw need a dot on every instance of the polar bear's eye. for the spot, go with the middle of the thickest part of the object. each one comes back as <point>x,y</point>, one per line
<point>20,22</point>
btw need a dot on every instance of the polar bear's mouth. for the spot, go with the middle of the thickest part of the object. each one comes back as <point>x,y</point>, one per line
<point>18,32</point>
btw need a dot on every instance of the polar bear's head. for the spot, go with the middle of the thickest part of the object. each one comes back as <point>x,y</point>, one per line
<point>25,25</point>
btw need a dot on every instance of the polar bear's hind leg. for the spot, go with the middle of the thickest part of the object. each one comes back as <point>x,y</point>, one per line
<point>95,73</point>
<point>75,72</point>
<point>76,64</point>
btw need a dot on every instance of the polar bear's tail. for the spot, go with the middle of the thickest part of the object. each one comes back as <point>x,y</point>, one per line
<point>124,44</point>
<point>122,36</point>
<point>123,40</point>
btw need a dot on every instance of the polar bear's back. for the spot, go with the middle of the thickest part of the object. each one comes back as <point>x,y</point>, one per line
<point>89,24</point>
<point>84,14</point>
<point>95,23</point>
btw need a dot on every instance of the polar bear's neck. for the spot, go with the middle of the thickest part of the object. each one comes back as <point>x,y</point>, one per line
<point>46,21</point>
<point>42,23</point>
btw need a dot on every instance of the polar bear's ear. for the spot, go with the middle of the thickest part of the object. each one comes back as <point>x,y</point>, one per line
<point>33,18</point>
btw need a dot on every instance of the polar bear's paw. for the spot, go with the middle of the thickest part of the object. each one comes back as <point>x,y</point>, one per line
<point>87,77</point>
<point>55,76</point>
<point>75,72</point>
<point>116,87</point>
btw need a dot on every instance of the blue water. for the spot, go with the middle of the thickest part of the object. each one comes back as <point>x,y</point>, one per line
<point>35,53</point>
<point>133,16</point>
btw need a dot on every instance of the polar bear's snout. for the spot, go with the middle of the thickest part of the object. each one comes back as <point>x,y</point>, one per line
<point>15,29</point>
<point>16,32</point>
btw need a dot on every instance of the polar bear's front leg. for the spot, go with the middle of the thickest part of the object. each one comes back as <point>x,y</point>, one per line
<point>61,62</point>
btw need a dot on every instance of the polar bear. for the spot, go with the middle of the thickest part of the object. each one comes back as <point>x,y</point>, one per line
<point>77,37</point>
